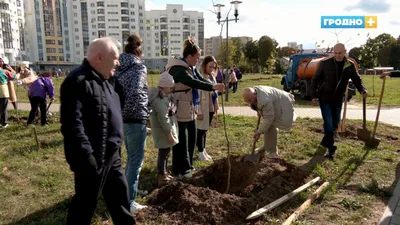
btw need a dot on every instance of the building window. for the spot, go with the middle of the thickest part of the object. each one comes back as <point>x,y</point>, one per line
<point>7,32</point>
<point>132,6</point>
<point>125,12</point>
<point>124,4</point>
<point>101,4</point>
<point>100,11</point>
<point>132,13</point>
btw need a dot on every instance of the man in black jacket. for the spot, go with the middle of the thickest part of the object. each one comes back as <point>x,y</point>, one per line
<point>91,124</point>
<point>328,86</point>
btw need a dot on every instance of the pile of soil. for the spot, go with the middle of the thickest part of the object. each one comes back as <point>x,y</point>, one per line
<point>202,199</point>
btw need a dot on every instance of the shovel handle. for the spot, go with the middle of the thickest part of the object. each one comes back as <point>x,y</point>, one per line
<point>254,142</point>
<point>364,113</point>
<point>379,107</point>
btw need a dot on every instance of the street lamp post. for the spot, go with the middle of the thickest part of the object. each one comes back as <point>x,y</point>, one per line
<point>218,9</point>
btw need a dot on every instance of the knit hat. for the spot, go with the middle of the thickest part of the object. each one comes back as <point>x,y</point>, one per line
<point>166,80</point>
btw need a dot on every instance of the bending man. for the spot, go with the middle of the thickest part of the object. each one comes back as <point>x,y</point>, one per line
<point>276,108</point>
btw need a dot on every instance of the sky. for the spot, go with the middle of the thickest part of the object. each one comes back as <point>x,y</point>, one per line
<point>295,20</point>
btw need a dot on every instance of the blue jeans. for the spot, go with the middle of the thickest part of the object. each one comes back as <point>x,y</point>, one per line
<point>135,142</point>
<point>331,112</point>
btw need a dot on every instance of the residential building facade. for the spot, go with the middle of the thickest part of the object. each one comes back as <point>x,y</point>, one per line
<point>165,33</point>
<point>61,30</point>
<point>91,19</point>
<point>213,44</point>
<point>48,34</point>
<point>12,35</point>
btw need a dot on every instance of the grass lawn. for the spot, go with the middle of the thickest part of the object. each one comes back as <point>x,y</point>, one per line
<point>391,97</point>
<point>36,186</point>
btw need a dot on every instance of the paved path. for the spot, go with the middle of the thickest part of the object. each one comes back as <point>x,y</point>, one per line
<point>391,215</point>
<point>389,116</point>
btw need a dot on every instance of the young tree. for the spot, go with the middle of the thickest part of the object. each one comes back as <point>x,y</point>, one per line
<point>267,49</point>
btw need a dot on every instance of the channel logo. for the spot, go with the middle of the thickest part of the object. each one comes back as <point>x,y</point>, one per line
<point>349,22</point>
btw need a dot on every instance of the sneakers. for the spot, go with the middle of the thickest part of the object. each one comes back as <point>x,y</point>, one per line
<point>207,155</point>
<point>136,207</point>
<point>187,175</point>
<point>203,156</point>
<point>5,126</point>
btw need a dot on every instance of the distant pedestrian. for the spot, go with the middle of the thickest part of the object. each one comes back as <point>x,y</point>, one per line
<point>38,93</point>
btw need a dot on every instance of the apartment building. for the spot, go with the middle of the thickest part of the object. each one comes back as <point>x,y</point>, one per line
<point>12,34</point>
<point>213,44</point>
<point>165,33</point>
<point>91,19</point>
<point>48,34</point>
<point>61,30</point>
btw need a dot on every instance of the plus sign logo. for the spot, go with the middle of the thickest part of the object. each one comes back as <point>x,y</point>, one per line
<point>360,22</point>
<point>371,22</point>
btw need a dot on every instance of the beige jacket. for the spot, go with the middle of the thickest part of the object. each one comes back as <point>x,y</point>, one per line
<point>206,106</point>
<point>183,95</point>
<point>276,107</point>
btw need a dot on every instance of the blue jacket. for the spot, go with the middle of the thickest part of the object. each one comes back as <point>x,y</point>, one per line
<point>131,76</point>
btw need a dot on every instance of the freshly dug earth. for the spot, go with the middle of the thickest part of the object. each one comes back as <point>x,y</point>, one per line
<point>200,200</point>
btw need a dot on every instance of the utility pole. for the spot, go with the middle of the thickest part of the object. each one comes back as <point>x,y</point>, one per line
<point>218,6</point>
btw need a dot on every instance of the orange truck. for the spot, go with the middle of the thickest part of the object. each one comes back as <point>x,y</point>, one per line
<point>301,70</point>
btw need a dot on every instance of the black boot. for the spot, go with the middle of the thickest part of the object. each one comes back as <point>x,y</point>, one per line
<point>331,152</point>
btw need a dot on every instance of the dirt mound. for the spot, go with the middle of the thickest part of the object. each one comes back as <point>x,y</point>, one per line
<point>201,199</point>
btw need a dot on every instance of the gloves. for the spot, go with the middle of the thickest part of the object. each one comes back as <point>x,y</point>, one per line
<point>19,82</point>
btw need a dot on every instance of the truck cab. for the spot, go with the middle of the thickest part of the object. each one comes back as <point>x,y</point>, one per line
<point>291,80</point>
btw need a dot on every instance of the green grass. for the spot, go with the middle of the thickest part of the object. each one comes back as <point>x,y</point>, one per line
<point>391,97</point>
<point>36,186</point>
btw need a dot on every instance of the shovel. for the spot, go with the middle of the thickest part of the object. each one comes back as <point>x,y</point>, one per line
<point>342,125</point>
<point>364,134</point>
<point>253,157</point>
<point>374,142</point>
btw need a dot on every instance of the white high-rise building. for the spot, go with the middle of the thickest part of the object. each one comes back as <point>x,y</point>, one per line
<point>48,34</point>
<point>91,19</point>
<point>12,34</point>
<point>166,31</point>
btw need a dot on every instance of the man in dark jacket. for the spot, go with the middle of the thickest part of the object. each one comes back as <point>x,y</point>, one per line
<point>328,86</point>
<point>91,124</point>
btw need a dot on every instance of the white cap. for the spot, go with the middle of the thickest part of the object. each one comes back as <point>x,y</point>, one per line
<point>166,80</point>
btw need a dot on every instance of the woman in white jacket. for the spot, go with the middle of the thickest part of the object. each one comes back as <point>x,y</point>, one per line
<point>208,106</point>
